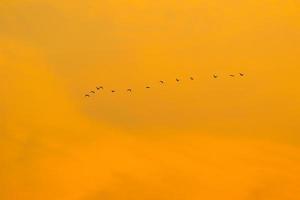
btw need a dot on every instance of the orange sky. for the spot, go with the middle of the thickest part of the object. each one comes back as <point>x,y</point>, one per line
<point>229,138</point>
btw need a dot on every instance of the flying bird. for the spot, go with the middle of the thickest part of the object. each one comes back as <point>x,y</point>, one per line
<point>87,95</point>
<point>241,74</point>
<point>192,78</point>
<point>177,80</point>
<point>113,91</point>
<point>147,87</point>
<point>129,90</point>
<point>98,88</point>
<point>92,92</point>
<point>162,82</point>
<point>215,76</point>
<point>231,75</point>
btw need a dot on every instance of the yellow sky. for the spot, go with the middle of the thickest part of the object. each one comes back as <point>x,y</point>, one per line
<point>229,138</point>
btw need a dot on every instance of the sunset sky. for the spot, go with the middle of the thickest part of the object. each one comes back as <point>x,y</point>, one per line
<point>230,138</point>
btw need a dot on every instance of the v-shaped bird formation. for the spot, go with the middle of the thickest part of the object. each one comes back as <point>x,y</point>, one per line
<point>161,82</point>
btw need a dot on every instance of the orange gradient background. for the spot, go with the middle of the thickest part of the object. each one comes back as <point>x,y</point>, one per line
<point>226,138</point>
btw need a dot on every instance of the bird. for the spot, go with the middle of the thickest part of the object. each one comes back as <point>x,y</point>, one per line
<point>129,90</point>
<point>241,74</point>
<point>147,87</point>
<point>92,92</point>
<point>215,76</point>
<point>231,75</point>
<point>113,91</point>
<point>98,88</point>
<point>177,80</point>
<point>87,95</point>
<point>192,78</point>
<point>162,82</point>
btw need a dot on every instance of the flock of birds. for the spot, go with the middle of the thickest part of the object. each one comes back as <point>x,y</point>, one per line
<point>129,90</point>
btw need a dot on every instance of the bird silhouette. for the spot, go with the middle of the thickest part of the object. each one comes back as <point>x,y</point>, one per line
<point>113,91</point>
<point>162,82</point>
<point>177,80</point>
<point>87,95</point>
<point>231,75</point>
<point>147,87</point>
<point>241,74</point>
<point>129,90</point>
<point>98,88</point>
<point>215,76</point>
<point>92,92</point>
<point>192,78</point>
